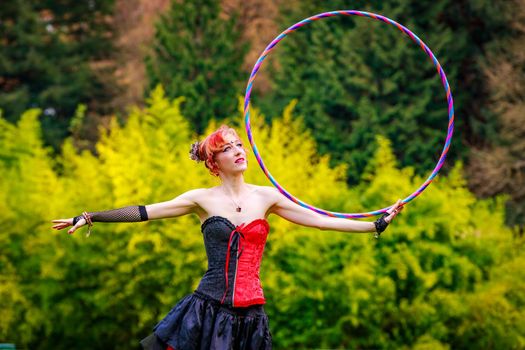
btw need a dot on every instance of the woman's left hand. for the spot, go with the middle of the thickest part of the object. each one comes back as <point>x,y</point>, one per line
<point>396,209</point>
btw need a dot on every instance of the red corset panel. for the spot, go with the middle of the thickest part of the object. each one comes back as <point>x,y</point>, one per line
<point>246,284</point>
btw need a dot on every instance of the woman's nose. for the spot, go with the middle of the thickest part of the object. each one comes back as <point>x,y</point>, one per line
<point>238,149</point>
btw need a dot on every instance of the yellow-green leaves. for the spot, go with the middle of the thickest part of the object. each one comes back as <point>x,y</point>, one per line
<point>436,278</point>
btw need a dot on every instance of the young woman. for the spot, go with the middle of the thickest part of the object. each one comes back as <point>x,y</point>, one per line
<point>226,311</point>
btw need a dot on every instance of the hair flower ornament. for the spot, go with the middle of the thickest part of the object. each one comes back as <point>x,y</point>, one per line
<point>194,151</point>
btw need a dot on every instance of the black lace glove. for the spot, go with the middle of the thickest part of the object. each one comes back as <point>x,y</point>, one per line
<point>133,213</point>
<point>381,225</point>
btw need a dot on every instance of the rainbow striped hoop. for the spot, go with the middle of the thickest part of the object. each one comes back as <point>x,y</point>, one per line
<point>414,38</point>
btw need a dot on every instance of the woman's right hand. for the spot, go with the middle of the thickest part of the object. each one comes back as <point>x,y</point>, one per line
<point>63,223</point>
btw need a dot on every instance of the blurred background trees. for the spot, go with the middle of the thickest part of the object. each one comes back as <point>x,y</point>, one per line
<point>55,56</point>
<point>353,77</point>
<point>500,167</point>
<point>448,274</point>
<point>198,55</point>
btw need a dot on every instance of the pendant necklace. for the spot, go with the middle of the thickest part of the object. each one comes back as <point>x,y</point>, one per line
<point>238,207</point>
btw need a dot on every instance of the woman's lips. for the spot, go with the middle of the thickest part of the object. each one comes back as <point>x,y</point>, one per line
<point>240,160</point>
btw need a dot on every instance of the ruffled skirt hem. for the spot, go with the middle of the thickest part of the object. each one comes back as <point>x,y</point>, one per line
<point>198,322</point>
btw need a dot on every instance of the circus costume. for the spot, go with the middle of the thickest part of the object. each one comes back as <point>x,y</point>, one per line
<point>226,311</point>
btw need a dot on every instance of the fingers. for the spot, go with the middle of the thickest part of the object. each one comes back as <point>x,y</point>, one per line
<point>72,230</point>
<point>397,207</point>
<point>60,226</point>
<point>394,210</point>
<point>79,224</point>
<point>66,221</point>
<point>63,223</point>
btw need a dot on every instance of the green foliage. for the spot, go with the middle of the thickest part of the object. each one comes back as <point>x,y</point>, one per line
<point>198,54</point>
<point>500,168</point>
<point>416,287</point>
<point>357,77</point>
<point>47,48</point>
<point>447,274</point>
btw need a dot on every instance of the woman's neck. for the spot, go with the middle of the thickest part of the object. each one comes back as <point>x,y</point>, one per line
<point>234,185</point>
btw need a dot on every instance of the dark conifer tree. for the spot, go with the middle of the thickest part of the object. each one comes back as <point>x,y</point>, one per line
<point>54,56</point>
<point>357,77</point>
<point>198,54</point>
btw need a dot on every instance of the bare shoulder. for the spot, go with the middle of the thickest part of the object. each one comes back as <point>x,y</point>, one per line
<point>269,192</point>
<point>258,188</point>
<point>196,194</point>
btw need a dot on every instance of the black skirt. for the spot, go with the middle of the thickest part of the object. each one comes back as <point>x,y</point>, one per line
<point>198,322</point>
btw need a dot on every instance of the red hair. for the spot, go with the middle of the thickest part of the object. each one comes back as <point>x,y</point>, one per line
<point>212,144</point>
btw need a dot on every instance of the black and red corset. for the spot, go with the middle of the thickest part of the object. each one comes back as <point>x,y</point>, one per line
<point>234,259</point>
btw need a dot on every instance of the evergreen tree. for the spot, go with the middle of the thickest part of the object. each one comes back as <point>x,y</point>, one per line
<point>500,168</point>
<point>198,54</point>
<point>356,77</point>
<point>54,56</point>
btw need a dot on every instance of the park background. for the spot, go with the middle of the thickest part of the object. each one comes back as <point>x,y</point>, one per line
<point>101,100</point>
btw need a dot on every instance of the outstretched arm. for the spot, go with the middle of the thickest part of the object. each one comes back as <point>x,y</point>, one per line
<point>184,204</point>
<point>305,217</point>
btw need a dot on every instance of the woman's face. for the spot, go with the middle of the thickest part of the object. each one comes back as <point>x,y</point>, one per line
<point>232,156</point>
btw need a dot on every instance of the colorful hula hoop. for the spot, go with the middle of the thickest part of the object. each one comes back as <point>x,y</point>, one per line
<point>412,36</point>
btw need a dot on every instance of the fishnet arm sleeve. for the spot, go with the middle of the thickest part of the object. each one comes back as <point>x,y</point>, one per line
<point>133,213</point>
